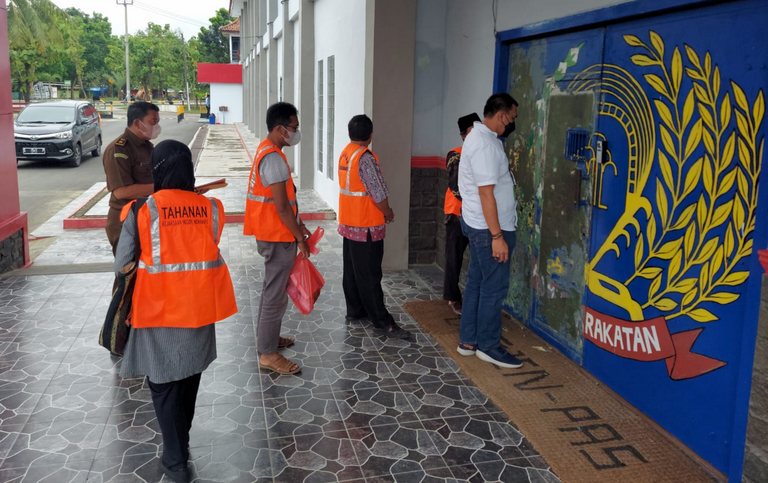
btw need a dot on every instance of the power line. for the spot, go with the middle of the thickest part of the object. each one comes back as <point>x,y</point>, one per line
<point>169,12</point>
<point>196,24</point>
<point>168,15</point>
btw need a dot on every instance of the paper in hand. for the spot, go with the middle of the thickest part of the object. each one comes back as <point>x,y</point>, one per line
<point>219,183</point>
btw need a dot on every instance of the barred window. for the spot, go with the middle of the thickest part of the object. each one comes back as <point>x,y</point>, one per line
<point>331,115</point>
<point>320,115</point>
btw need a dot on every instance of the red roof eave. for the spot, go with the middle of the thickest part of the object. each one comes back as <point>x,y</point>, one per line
<point>231,28</point>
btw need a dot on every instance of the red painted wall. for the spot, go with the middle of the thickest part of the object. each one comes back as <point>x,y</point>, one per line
<point>11,220</point>
<point>220,73</point>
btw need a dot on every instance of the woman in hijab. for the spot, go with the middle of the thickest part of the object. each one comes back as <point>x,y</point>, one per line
<point>182,287</point>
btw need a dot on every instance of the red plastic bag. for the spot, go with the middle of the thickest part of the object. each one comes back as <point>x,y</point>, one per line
<point>313,240</point>
<point>305,282</point>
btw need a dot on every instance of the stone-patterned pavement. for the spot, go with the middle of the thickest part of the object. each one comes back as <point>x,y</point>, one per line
<point>364,408</point>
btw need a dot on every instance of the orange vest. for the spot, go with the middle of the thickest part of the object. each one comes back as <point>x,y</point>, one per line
<point>356,208</point>
<point>452,204</point>
<point>182,280</point>
<point>261,218</point>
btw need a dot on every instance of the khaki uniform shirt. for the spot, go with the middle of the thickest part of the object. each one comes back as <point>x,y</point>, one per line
<point>126,162</point>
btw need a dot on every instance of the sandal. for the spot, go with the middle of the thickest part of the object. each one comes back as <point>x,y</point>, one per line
<point>394,331</point>
<point>456,307</point>
<point>285,342</point>
<point>281,365</point>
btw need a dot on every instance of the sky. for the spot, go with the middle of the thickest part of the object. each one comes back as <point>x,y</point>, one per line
<point>187,15</point>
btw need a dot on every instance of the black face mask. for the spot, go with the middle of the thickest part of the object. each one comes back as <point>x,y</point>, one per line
<point>508,129</point>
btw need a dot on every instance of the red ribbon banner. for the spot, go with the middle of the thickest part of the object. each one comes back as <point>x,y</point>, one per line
<point>647,341</point>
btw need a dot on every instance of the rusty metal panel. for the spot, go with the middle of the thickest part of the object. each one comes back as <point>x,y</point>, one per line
<point>547,273</point>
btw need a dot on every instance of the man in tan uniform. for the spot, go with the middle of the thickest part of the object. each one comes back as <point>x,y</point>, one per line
<point>127,166</point>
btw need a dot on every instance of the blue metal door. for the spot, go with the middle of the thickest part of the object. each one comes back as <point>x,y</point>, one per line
<point>659,123</point>
<point>673,278</point>
<point>547,274</point>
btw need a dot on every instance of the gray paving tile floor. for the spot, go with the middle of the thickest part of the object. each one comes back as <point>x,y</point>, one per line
<point>363,409</point>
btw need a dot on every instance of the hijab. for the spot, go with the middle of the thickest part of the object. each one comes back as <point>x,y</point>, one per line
<point>172,166</point>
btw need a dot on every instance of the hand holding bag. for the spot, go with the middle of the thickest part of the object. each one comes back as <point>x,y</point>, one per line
<point>305,281</point>
<point>117,325</point>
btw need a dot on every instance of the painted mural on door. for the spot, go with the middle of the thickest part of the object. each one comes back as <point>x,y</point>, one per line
<point>547,274</point>
<point>687,225</point>
<point>671,276</point>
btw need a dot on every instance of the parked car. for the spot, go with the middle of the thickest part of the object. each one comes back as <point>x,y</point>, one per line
<point>58,130</point>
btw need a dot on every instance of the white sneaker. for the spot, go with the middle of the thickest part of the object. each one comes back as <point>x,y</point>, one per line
<point>465,352</point>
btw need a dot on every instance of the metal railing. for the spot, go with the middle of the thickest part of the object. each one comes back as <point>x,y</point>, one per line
<point>106,109</point>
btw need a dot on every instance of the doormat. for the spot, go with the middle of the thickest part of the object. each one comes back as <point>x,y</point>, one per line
<point>580,428</point>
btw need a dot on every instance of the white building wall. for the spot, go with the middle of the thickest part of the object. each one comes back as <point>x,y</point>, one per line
<point>428,88</point>
<point>469,49</point>
<point>280,68</point>
<point>306,145</point>
<point>293,9</point>
<point>290,152</point>
<point>339,31</point>
<point>230,95</point>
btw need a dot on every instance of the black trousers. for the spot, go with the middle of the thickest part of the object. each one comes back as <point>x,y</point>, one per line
<point>455,245</point>
<point>362,281</point>
<point>174,404</point>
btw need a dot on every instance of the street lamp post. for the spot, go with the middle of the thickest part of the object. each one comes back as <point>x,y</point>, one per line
<point>125,3</point>
<point>184,55</point>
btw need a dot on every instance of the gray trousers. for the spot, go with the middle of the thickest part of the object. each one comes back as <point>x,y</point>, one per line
<point>279,258</point>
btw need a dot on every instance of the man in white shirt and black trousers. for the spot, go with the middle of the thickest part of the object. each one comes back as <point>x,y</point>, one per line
<point>488,219</point>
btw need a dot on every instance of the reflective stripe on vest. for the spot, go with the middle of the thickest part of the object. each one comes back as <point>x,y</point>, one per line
<point>182,280</point>
<point>261,217</point>
<point>347,191</point>
<point>264,199</point>
<point>157,265</point>
<point>252,182</point>
<point>182,267</point>
<point>356,206</point>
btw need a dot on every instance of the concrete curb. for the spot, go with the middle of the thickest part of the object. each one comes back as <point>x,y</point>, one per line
<point>197,145</point>
<point>232,218</point>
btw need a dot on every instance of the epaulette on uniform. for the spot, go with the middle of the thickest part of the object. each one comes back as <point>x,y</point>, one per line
<point>120,142</point>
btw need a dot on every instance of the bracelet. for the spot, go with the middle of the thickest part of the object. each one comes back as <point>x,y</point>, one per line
<point>497,235</point>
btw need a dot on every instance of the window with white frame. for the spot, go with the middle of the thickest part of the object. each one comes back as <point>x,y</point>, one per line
<point>320,115</point>
<point>331,114</point>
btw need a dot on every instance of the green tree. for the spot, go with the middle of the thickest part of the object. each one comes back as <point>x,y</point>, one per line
<point>213,45</point>
<point>196,91</point>
<point>73,54</point>
<point>33,28</point>
<point>115,62</point>
<point>118,82</point>
<point>156,61</point>
<point>95,35</point>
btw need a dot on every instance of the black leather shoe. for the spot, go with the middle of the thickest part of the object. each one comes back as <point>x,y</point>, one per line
<point>178,476</point>
<point>394,331</point>
<point>355,319</point>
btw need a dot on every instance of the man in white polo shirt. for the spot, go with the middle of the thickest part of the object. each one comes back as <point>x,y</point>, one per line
<point>488,219</point>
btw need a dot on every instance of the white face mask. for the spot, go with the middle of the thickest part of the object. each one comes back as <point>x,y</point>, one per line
<point>154,131</point>
<point>293,137</point>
